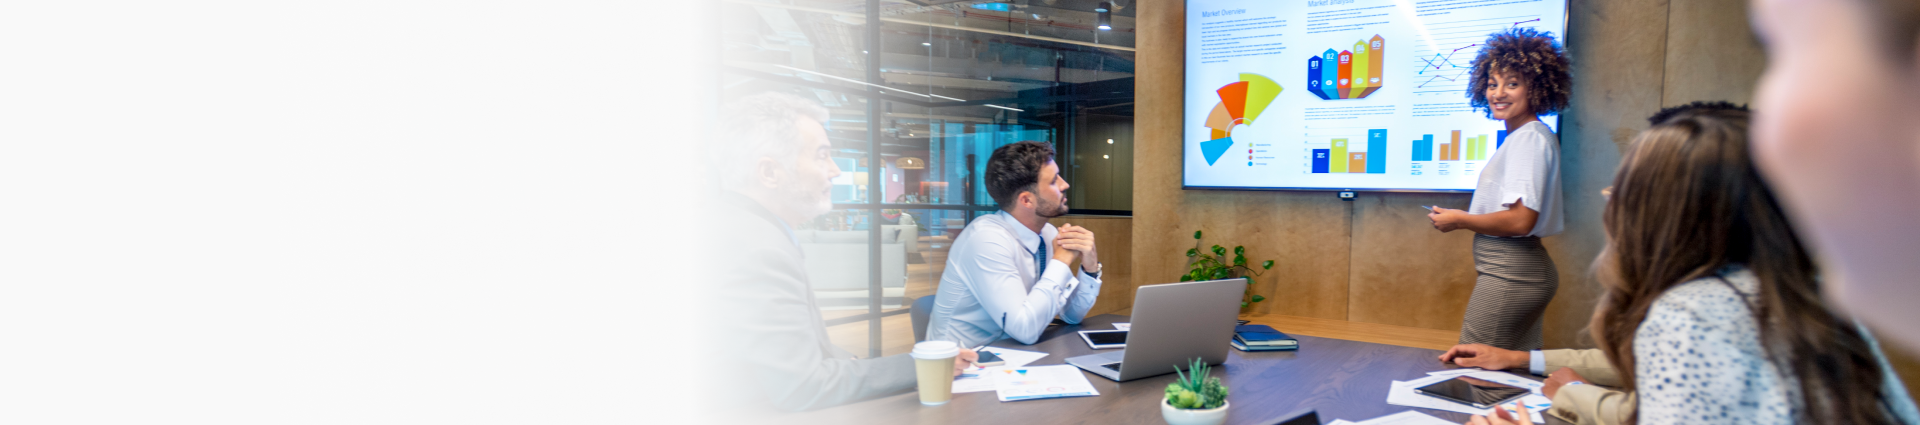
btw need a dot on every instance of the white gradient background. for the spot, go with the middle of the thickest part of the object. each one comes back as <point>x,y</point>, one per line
<point>349,211</point>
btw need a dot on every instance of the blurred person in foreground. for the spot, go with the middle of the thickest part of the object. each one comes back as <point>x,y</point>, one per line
<point>1712,312</point>
<point>775,167</point>
<point>1846,163</point>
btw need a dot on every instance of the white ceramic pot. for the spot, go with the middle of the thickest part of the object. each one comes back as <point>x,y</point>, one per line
<point>1174,416</point>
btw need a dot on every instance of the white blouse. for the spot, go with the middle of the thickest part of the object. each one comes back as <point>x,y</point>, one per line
<point>1698,360</point>
<point>1525,168</point>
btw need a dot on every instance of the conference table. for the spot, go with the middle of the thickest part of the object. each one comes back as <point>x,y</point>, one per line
<point>1339,379</point>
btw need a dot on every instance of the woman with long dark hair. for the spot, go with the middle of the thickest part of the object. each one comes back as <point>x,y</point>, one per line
<point>1711,307</point>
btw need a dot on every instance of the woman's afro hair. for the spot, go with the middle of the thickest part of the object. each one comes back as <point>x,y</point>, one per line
<point>1531,56</point>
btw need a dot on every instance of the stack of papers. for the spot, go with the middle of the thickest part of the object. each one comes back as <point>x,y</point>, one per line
<point>1401,394</point>
<point>1402,418</point>
<point>1034,383</point>
<point>975,378</point>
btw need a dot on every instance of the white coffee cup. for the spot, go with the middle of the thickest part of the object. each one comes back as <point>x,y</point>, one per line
<point>933,365</point>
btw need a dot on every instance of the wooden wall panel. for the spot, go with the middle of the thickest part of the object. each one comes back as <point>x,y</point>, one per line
<point>1156,139</point>
<point>1113,237</point>
<point>1305,233</point>
<point>1711,53</point>
<point>1406,273</point>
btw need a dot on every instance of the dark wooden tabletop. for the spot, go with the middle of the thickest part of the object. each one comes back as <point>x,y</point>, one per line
<point>1338,378</point>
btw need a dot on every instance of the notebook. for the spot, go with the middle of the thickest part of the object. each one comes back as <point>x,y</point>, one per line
<point>1262,338</point>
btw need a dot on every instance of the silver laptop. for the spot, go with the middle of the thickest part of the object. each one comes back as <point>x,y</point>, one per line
<point>1172,324</point>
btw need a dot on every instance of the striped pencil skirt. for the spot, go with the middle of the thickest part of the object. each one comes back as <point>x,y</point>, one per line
<point>1517,280</point>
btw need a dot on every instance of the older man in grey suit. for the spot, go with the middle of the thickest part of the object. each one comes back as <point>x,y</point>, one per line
<point>774,162</point>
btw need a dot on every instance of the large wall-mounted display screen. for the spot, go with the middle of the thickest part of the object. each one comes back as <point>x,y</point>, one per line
<point>1342,94</point>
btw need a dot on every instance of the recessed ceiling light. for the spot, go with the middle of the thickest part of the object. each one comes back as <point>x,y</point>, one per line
<point>1104,16</point>
<point>1109,141</point>
<point>1104,157</point>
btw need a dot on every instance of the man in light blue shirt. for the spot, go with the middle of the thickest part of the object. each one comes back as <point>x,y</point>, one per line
<point>1010,273</point>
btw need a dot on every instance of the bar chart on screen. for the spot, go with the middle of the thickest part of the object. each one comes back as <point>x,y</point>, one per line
<point>1454,153</point>
<point>1342,155</point>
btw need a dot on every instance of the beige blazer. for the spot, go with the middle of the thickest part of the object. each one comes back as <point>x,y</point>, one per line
<point>1593,403</point>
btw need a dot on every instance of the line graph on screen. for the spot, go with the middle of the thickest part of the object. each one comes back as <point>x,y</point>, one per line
<point>1444,52</point>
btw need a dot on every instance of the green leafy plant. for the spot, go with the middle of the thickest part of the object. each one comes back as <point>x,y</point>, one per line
<point>1196,390</point>
<point>1213,265</point>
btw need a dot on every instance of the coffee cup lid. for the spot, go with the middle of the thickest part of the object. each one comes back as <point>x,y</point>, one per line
<point>935,350</point>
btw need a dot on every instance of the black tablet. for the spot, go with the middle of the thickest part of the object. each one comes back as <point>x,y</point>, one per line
<point>1473,392</point>
<point>1101,340</point>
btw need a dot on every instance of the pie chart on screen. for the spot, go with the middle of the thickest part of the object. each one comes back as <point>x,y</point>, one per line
<point>1240,103</point>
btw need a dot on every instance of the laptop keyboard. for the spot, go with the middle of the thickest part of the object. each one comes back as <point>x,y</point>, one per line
<point>1115,366</point>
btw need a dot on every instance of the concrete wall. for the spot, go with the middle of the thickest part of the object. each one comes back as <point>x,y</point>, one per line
<point>1370,260</point>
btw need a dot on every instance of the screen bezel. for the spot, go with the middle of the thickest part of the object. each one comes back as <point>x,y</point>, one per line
<point>1565,13</point>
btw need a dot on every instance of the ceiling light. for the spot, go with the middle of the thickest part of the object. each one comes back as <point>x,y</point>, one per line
<point>910,163</point>
<point>927,44</point>
<point>1105,157</point>
<point>997,7</point>
<point>1006,108</point>
<point>1105,15</point>
<point>1109,141</point>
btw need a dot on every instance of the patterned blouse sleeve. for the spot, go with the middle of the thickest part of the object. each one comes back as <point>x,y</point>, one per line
<point>1689,367</point>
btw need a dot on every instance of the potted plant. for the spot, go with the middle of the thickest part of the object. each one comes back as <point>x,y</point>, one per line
<point>1213,265</point>
<point>1196,399</point>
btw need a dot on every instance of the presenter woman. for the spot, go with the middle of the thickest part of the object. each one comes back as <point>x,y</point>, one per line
<point>1519,75</point>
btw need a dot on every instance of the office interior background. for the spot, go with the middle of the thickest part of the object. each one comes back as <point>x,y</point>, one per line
<point>955,79</point>
<point>912,131</point>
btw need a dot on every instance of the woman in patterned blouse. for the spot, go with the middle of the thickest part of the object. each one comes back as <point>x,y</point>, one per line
<point>1712,304</point>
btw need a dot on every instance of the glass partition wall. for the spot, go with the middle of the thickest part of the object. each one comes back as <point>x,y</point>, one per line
<point>920,94</point>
